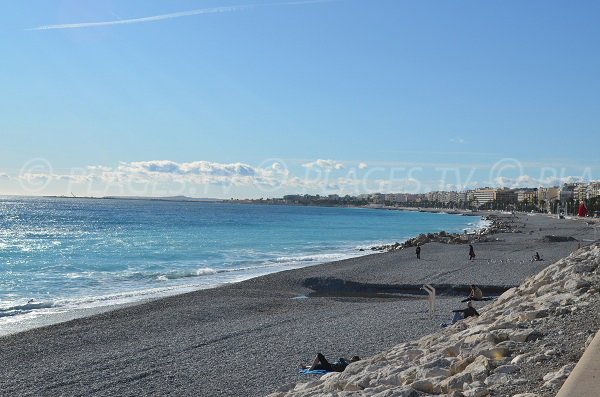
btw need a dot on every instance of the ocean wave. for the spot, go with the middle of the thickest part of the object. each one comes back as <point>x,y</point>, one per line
<point>277,262</point>
<point>24,308</point>
<point>481,224</point>
<point>310,258</point>
<point>206,271</point>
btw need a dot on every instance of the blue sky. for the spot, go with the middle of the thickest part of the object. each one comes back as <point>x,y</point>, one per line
<point>265,98</point>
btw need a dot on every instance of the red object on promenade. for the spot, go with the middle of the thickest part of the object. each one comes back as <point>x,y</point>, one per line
<point>582,210</point>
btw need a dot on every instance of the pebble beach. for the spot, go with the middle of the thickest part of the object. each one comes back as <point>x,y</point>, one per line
<point>249,338</point>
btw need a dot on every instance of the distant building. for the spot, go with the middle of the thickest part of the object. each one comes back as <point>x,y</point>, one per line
<point>527,195</point>
<point>413,198</point>
<point>401,198</point>
<point>377,198</point>
<point>580,191</point>
<point>505,196</point>
<point>593,190</point>
<point>566,192</point>
<point>292,198</point>
<point>547,195</point>
<point>483,196</point>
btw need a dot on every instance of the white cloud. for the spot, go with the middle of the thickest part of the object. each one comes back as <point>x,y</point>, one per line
<point>201,168</point>
<point>196,178</point>
<point>362,165</point>
<point>162,17</point>
<point>327,165</point>
<point>98,168</point>
<point>458,140</point>
<point>529,181</point>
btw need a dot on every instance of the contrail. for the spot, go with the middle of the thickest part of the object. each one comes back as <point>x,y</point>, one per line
<point>161,17</point>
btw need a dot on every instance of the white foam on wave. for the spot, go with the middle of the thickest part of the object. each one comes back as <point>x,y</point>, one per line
<point>207,278</point>
<point>175,275</point>
<point>15,308</point>
<point>310,258</point>
<point>205,271</point>
<point>264,267</point>
<point>477,226</point>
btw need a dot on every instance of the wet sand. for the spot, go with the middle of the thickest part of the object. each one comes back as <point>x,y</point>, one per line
<point>248,338</point>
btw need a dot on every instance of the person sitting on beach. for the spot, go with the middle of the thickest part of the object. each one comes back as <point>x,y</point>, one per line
<point>475,295</point>
<point>536,257</point>
<point>321,363</point>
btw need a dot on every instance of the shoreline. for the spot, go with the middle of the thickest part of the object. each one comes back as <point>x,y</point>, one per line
<point>57,314</point>
<point>170,345</point>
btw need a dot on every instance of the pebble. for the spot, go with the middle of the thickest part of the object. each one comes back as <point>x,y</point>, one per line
<point>495,352</point>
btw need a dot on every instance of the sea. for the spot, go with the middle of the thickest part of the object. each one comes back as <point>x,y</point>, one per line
<point>63,254</point>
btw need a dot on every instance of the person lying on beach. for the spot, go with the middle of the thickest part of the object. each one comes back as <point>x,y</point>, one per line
<point>536,257</point>
<point>468,312</point>
<point>461,314</point>
<point>321,363</point>
<point>475,295</point>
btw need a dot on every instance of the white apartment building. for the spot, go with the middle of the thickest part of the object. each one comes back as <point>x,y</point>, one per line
<point>580,191</point>
<point>593,190</point>
<point>483,196</point>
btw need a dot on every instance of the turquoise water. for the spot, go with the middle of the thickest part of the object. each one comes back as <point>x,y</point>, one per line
<point>60,254</point>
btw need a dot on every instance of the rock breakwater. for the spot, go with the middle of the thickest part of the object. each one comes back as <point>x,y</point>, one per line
<point>525,343</point>
<point>497,224</point>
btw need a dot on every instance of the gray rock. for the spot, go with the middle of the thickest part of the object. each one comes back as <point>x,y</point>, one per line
<point>572,285</point>
<point>477,392</point>
<point>506,369</point>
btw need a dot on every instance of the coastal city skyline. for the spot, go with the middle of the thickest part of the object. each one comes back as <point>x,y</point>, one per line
<point>246,100</point>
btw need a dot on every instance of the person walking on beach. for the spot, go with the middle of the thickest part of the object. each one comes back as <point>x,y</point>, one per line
<point>321,363</point>
<point>471,252</point>
<point>418,251</point>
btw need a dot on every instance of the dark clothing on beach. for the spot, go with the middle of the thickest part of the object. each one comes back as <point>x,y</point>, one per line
<point>418,250</point>
<point>338,366</point>
<point>461,314</point>
<point>471,252</point>
<point>468,312</point>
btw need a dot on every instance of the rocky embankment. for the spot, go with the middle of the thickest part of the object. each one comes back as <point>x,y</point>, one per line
<point>524,344</point>
<point>497,225</point>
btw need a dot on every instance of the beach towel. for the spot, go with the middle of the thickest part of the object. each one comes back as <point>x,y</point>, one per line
<point>304,371</point>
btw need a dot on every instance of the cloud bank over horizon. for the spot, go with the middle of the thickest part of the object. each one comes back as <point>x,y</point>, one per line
<point>272,178</point>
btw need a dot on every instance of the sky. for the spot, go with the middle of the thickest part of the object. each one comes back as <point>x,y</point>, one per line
<point>250,99</point>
